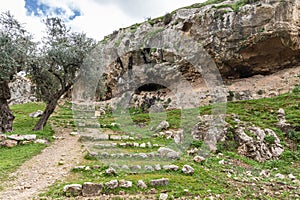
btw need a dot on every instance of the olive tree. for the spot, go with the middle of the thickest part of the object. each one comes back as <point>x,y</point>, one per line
<point>57,68</point>
<point>15,49</point>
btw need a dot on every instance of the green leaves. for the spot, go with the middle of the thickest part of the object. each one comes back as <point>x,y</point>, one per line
<point>15,46</point>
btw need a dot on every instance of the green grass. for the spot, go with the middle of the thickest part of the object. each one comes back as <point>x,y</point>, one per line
<point>12,158</point>
<point>211,177</point>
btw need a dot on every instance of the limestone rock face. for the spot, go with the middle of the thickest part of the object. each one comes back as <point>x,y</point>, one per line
<point>22,91</point>
<point>256,38</point>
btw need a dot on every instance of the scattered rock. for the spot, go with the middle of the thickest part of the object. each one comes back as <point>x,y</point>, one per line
<point>199,159</point>
<point>157,167</point>
<point>187,169</point>
<point>257,146</point>
<point>9,143</point>
<point>162,126</point>
<point>179,137</point>
<point>143,145</point>
<point>170,167</point>
<point>91,189</point>
<point>73,190</point>
<point>160,182</point>
<point>125,184</point>
<point>163,196</point>
<point>265,173</point>
<point>291,176</point>
<point>282,124</point>
<point>168,153</point>
<point>74,133</point>
<point>280,176</point>
<point>110,171</point>
<point>41,141</point>
<point>36,114</point>
<point>112,184</point>
<point>149,168</point>
<point>141,184</point>
<point>2,137</point>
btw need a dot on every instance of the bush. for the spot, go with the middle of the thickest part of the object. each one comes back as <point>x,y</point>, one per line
<point>294,135</point>
<point>296,89</point>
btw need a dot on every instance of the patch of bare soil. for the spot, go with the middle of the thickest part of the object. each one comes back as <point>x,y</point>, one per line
<point>40,172</point>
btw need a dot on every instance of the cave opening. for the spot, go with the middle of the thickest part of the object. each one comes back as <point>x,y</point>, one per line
<point>149,87</point>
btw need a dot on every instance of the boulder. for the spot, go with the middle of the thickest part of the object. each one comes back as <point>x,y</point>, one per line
<point>73,190</point>
<point>187,169</point>
<point>160,182</point>
<point>91,189</point>
<point>112,184</point>
<point>36,114</point>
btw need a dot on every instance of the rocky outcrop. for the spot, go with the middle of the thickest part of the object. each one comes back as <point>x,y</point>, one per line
<point>243,39</point>
<point>22,91</point>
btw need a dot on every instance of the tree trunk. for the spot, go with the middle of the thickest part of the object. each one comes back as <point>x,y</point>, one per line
<point>46,114</point>
<point>6,116</point>
<point>51,105</point>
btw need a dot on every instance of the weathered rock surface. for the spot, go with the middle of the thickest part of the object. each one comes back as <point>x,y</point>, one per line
<point>258,38</point>
<point>91,189</point>
<point>160,182</point>
<point>263,145</point>
<point>73,190</point>
<point>22,91</point>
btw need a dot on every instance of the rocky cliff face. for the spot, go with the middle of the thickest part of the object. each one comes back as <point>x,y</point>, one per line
<point>243,37</point>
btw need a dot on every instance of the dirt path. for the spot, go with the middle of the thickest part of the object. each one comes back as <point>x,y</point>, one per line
<point>44,169</point>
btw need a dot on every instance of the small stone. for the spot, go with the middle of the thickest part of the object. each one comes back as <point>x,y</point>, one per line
<point>73,190</point>
<point>16,137</point>
<point>149,168</point>
<point>168,153</point>
<point>170,167</point>
<point>30,137</point>
<point>125,167</point>
<point>74,133</point>
<point>61,163</point>
<point>87,168</point>
<point>187,169</point>
<point>199,159</point>
<point>91,189</point>
<point>157,167</point>
<point>110,171</point>
<point>143,145</point>
<point>222,162</point>
<point>79,167</point>
<point>160,182</point>
<point>162,126</point>
<point>125,184</point>
<point>291,176</point>
<point>135,167</point>
<point>152,191</point>
<point>265,173</point>
<point>135,144</point>
<point>41,141</point>
<point>112,184</point>
<point>36,114</point>
<point>280,176</point>
<point>149,145</point>
<point>141,184</point>
<point>163,196</point>
<point>9,143</point>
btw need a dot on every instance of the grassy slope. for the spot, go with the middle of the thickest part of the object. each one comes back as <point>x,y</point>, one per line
<point>211,178</point>
<point>12,158</point>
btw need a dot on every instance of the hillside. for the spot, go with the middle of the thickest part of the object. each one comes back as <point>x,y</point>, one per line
<point>202,103</point>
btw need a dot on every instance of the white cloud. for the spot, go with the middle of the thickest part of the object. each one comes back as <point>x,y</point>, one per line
<point>98,17</point>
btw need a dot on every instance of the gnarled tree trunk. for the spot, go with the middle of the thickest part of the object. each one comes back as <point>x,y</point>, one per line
<point>6,116</point>
<point>51,105</point>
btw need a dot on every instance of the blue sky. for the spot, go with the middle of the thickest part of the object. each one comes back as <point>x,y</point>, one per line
<point>97,18</point>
